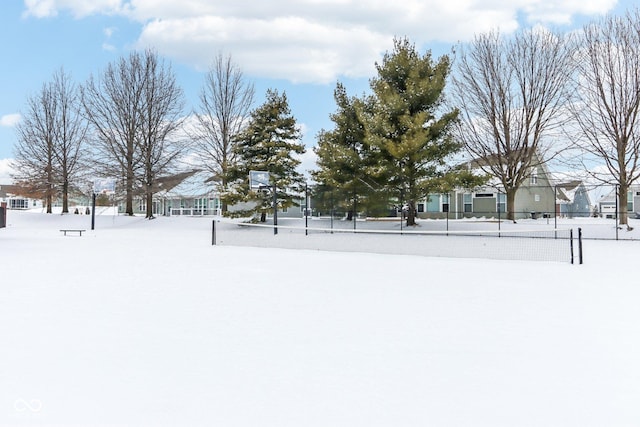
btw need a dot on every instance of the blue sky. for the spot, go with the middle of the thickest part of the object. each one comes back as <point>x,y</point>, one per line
<point>300,47</point>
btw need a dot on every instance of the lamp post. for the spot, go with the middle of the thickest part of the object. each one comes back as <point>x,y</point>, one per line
<point>306,209</point>
<point>93,209</point>
<point>273,190</point>
<point>257,180</point>
<point>275,208</point>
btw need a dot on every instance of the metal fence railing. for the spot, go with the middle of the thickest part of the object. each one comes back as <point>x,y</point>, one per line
<point>595,208</point>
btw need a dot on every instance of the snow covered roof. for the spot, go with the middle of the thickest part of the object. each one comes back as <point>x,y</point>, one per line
<point>191,184</point>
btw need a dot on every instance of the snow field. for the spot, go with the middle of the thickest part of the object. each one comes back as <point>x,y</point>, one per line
<point>145,323</point>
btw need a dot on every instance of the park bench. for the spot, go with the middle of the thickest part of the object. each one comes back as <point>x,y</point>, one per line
<point>73,231</point>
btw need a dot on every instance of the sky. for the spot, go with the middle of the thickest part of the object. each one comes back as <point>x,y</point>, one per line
<point>192,334</point>
<point>300,47</point>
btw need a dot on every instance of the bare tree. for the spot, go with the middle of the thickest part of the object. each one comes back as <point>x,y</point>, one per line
<point>49,138</point>
<point>512,94</point>
<point>225,103</point>
<point>113,104</point>
<point>134,110</point>
<point>608,107</point>
<point>34,152</point>
<point>160,119</point>
<point>71,129</point>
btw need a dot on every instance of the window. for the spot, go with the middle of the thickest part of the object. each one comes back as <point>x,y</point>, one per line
<point>534,176</point>
<point>468,204</point>
<point>433,203</point>
<point>445,202</point>
<point>420,207</point>
<point>537,197</point>
<point>18,203</point>
<point>630,201</point>
<point>502,202</point>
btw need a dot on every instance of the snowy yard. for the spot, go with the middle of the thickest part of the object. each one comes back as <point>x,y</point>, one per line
<point>145,323</point>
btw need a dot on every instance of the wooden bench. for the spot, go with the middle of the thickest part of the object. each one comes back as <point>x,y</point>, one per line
<point>73,231</point>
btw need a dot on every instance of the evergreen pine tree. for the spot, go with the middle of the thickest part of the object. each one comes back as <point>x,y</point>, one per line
<point>406,126</point>
<point>269,143</point>
<point>344,160</point>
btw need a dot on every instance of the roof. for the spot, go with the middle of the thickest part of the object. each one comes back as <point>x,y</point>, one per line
<point>191,184</point>
<point>14,190</point>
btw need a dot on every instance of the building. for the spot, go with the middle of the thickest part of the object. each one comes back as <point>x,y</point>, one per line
<point>608,204</point>
<point>572,200</point>
<point>187,193</point>
<point>536,198</point>
<point>17,198</point>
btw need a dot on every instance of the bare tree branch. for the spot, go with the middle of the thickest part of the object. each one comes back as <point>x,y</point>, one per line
<point>607,110</point>
<point>512,95</point>
<point>225,102</point>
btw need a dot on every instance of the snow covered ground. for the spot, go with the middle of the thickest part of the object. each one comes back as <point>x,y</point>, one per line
<point>145,323</point>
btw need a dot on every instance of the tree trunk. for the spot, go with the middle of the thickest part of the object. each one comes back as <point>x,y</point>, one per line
<point>511,203</point>
<point>623,215</point>
<point>49,199</point>
<point>411,213</point>
<point>129,194</point>
<point>49,195</point>
<point>65,196</point>
<point>149,197</point>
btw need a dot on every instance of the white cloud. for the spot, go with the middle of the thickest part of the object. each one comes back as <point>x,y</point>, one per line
<point>314,40</point>
<point>10,120</point>
<point>307,162</point>
<point>40,8</point>
<point>78,8</point>
<point>5,171</point>
<point>290,47</point>
<point>563,13</point>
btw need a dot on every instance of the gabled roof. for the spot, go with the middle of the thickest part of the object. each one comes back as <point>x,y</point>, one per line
<point>191,184</point>
<point>493,159</point>
<point>485,164</point>
<point>566,191</point>
<point>167,183</point>
<point>17,190</point>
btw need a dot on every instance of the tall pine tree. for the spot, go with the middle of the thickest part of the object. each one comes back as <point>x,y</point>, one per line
<point>344,161</point>
<point>269,143</point>
<point>409,129</point>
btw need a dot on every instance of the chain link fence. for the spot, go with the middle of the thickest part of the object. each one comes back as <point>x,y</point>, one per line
<point>593,208</point>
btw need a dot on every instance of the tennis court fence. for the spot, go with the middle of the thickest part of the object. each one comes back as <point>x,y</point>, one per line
<point>562,245</point>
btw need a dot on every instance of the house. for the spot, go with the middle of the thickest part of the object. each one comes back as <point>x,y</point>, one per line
<point>18,198</point>
<point>187,193</point>
<point>535,198</point>
<point>608,204</point>
<point>572,199</point>
<point>193,193</point>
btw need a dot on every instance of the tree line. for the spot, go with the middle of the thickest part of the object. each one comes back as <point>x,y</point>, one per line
<point>501,105</point>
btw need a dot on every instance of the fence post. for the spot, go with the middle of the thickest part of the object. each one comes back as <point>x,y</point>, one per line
<point>306,209</point>
<point>213,232</point>
<point>93,210</point>
<point>3,214</point>
<point>617,207</point>
<point>571,243</point>
<point>275,208</point>
<point>580,244</point>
